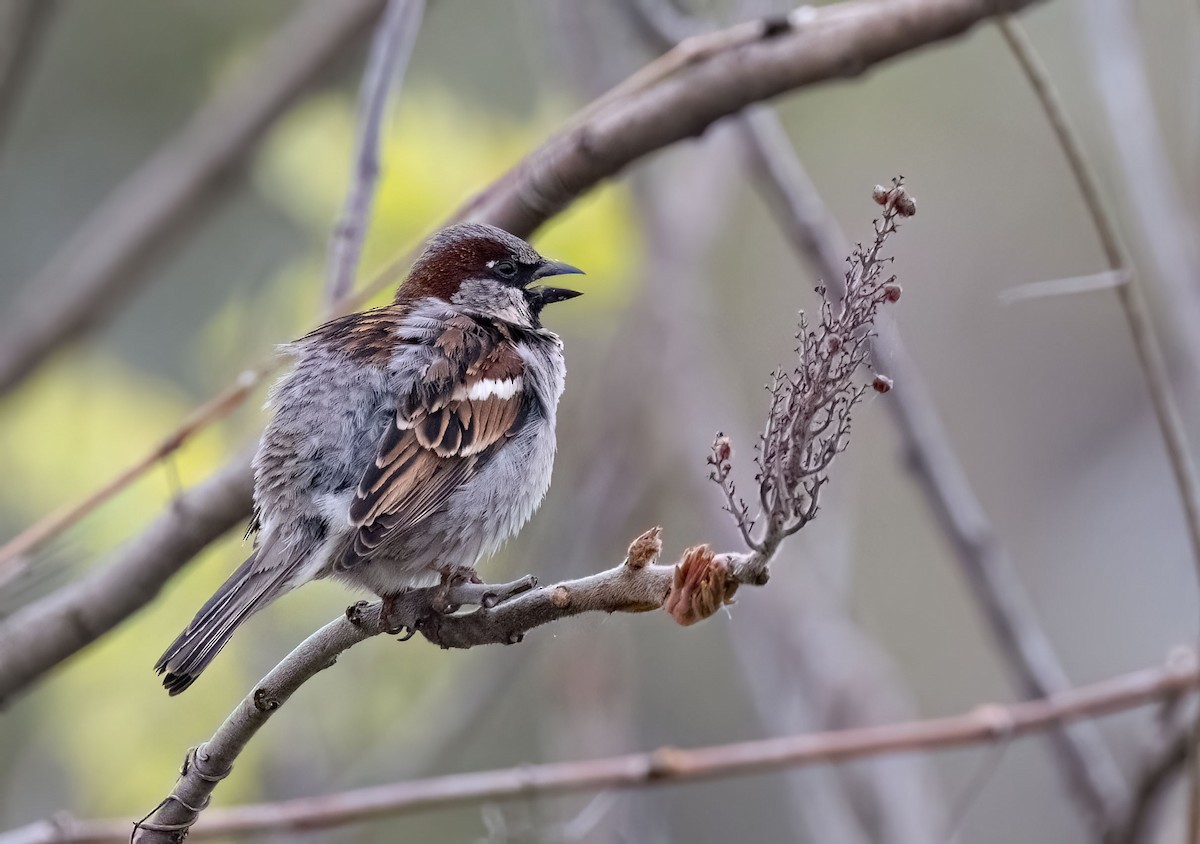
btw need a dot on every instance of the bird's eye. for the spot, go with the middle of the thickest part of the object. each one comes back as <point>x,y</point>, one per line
<point>506,269</point>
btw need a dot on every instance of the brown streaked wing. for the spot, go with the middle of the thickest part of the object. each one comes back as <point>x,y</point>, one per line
<point>451,427</point>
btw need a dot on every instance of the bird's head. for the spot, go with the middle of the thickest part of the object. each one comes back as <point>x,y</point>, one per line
<point>488,271</point>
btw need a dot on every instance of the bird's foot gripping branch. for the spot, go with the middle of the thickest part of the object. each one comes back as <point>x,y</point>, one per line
<point>808,425</point>
<point>691,590</point>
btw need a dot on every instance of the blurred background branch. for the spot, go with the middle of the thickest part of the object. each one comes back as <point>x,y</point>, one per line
<point>1141,327</point>
<point>37,637</point>
<point>102,262</point>
<point>23,25</point>
<point>993,722</point>
<point>391,49</point>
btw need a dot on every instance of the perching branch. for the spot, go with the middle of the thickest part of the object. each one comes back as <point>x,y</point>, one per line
<point>808,425</point>
<point>694,589</point>
<point>818,45</point>
<point>987,723</point>
<point>1087,764</point>
<point>391,49</point>
<point>96,268</point>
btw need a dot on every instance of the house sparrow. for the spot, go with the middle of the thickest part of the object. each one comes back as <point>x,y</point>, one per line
<point>407,442</point>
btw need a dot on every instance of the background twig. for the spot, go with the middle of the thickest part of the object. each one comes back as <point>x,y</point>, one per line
<point>1137,315</point>
<point>95,268</point>
<point>47,631</point>
<point>988,723</point>
<point>23,26</point>
<point>1159,213</point>
<point>391,48</point>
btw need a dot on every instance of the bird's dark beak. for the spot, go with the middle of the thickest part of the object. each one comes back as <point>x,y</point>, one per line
<point>542,296</point>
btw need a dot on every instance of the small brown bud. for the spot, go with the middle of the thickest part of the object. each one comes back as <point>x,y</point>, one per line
<point>645,549</point>
<point>723,449</point>
<point>905,205</point>
<point>882,384</point>
<point>702,584</point>
<point>834,342</point>
<point>880,195</point>
<point>561,597</point>
<point>891,292</point>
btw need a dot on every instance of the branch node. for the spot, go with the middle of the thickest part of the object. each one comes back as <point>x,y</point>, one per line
<point>997,720</point>
<point>561,597</point>
<point>354,612</point>
<point>501,593</point>
<point>265,700</point>
<point>664,763</point>
<point>1181,662</point>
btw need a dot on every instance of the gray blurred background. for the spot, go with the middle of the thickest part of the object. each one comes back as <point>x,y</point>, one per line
<point>692,294</point>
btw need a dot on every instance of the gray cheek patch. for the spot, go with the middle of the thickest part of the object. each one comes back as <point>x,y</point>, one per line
<point>496,300</point>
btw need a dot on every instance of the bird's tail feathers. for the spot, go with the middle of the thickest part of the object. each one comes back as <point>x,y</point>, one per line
<point>247,590</point>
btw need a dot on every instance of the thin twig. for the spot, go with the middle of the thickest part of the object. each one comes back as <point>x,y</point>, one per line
<point>1151,190</point>
<point>14,553</point>
<point>1141,328</point>
<point>47,631</point>
<point>988,723</point>
<point>94,270</point>
<point>1131,296</point>
<point>391,49</point>
<point>1083,756</point>
<point>1071,286</point>
<point>23,27</point>
<point>1152,782</point>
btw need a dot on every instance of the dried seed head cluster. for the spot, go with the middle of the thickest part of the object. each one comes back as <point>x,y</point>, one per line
<point>808,424</point>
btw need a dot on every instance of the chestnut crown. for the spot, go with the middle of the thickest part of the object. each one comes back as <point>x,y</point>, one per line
<point>472,252</point>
